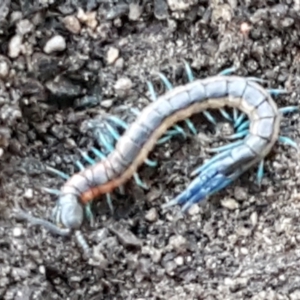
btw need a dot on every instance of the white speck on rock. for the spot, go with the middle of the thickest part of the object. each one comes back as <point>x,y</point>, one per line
<point>56,43</point>
<point>123,86</point>
<point>17,232</point>
<point>229,203</point>
<point>72,24</point>
<point>14,47</point>
<point>112,55</point>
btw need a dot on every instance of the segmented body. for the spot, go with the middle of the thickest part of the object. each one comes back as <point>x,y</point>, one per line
<point>134,146</point>
<point>260,133</point>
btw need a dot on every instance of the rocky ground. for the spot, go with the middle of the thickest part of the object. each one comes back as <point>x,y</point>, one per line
<point>64,62</point>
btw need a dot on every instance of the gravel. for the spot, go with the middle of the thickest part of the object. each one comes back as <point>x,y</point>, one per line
<point>65,62</point>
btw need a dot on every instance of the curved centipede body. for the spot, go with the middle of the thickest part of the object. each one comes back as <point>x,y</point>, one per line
<point>141,136</point>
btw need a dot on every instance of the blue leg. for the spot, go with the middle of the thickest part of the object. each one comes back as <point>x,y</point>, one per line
<point>225,115</point>
<point>238,135</point>
<point>260,172</point>
<point>288,141</point>
<point>243,126</point>
<point>51,191</point>
<point>227,71</point>
<point>211,161</point>
<point>239,120</point>
<point>277,92</point>
<point>57,172</point>
<point>139,181</point>
<point>226,147</point>
<point>288,109</point>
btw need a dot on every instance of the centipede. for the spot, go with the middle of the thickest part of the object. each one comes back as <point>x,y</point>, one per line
<point>256,119</point>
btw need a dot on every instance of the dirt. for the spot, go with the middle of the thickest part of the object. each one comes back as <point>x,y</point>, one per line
<point>240,244</point>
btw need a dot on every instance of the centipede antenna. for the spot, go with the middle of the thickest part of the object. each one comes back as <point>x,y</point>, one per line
<point>22,215</point>
<point>188,71</point>
<point>209,117</point>
<point>288,109</point>
<point>227,71</point>
<point>51,191</point>
<point>165,81</point>
<point>82,243</point>
<point>288,141</point>
<point>239,120</point>
<point>226,147</point>
<point>87,158</point>
<point>57,172</point>
<point>260,172</point>
<point>151,89</point>
<point>79,165</point>
<point>225,114</point>
<point>238,135</point>
<point>243,126</point>
<point>139,182</point>
<point>276,92</point>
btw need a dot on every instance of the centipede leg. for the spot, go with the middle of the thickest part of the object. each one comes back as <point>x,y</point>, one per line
<point>57,172</point>
<point>227,71</point>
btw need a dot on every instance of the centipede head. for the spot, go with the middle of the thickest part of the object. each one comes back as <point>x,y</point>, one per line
<point>68,212</point>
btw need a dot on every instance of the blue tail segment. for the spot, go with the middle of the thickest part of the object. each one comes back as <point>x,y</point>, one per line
<point>203,186</point>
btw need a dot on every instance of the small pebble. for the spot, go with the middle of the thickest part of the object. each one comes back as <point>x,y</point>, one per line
<point>194,210</point>
<point>179,261</point>
<point>17,232</point>
<point>229,203</point>
<point>72,24</point>
<point>88,18</point>
<point>123,86</point>
<point>28,194</point>
<point>177,242</point>
<point>112,55</point>
<point>4,67</point>
<point>56,43</point>
<point>15,46</point>
<point>151,215</point>
<point>24,27</point>
<point>107,103</point>
<point>240,193</point>
<point>178,4</point>
<point>135,11</point>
